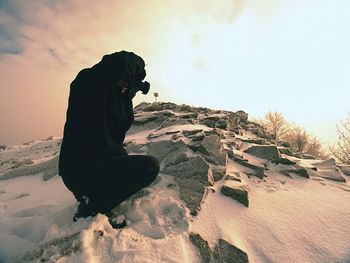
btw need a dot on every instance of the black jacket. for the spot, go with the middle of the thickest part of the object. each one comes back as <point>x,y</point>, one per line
<point>98,114</point>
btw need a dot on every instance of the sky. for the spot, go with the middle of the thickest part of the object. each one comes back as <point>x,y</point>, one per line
<point>290,56</point>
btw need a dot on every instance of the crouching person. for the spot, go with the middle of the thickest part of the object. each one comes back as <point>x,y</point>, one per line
<point>93,163</point>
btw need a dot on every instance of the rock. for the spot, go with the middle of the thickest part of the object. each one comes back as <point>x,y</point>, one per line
<point>159,106</point>
<point>214,118</point>
<point>331,175</point>
<point>173,121</point>
<point>48,168</point>
<point>283,144</point>
<point>143,119</point>
<point>198,137</point>
<point>184,107</point>
<point>22,163</point>
<point>175,136</point>
<point>166,113</point>
<point>176,157</point>
<point>327,164</point>
<point>202,247</point>
<point>191,132</point>
<point>192,176</point>
<point>212,144</point>
<point>345,169</point>
<point>258,170</point>
<point>209,123</point>
<point>297,169</point>
<point>136,148</point>
<point>189,115</point>
<point>255,141</point>
<point>256,129</point>
<point>238,117</point>
<point>308,156</point>
<point>221,124</point>
<point>282,161</point>
<point>224,252</point>
<point>3,147</point>
<point>141,106</point>
<point>284,150</point>
<point>161,149</point>
<point>267,152</point>
<point>212,149</point>
<point>236,177</point>
<point>238,193</point>
<point>218,171</point>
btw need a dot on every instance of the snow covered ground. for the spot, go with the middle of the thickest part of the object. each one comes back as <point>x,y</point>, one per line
<point>289,218</point>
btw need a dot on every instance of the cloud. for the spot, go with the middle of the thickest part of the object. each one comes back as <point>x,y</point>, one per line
<point>44,44</point>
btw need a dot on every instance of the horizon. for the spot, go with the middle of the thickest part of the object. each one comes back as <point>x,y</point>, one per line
<point>286,56</point>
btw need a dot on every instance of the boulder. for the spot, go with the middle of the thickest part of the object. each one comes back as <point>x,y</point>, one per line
<point>221,124</point>
<point>224,252</point>
<point>255,141</point>
<point>345,169</point>
<point>189,115</point>
<point>198,137</point>
<point>258,170</point>
<point>333,175</point>
<point>161,149</point>
<point>166,113</point>
<point>143,119</point>
<point>238,117</point>
<point>326,164</point>
<point>209,123</point>
<point>48,168</point>
<point>141,106</point>
<point>193,176</point>
<point>268,152</point>
<point>282,161</point>
<point>176,157</point>
<point>284,150</point>
<point>296,169</point>
<point>238,193</point>
<point>202,246</point>
<point>218,171</point>
<point>191,132</point>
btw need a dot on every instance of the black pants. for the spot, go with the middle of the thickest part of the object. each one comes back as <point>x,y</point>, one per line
<point>114,179</point>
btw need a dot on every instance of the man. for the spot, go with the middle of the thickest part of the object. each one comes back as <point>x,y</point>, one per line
<point>93,163</point>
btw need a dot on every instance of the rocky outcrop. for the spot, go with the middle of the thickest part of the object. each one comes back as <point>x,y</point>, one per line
<point>345,169</point>
<point>297,169</point>
<point>238,193</point>
<point>202,246</point>
<point>268,152</point>
<point>257,171</point>
<point>193,176</point>
<point>48,169</point>
<point>225,252</point>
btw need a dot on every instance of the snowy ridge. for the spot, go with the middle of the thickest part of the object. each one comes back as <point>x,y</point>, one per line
<point>225,194</point>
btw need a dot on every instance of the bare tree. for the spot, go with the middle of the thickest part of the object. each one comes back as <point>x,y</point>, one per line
<point>275,124</point>
<point>341,150</point>
<point>298,139</point>
<point>314,147</point>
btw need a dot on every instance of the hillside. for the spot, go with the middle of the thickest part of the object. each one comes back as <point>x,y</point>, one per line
<point>225,193</point>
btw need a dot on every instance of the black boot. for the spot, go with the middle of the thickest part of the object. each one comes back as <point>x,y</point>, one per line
<point>84,209</point>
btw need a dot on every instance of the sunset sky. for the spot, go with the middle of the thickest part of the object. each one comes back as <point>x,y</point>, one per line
<point>290,56</point>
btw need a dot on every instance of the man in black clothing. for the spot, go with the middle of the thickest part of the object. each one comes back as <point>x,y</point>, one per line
<point>93,163</point>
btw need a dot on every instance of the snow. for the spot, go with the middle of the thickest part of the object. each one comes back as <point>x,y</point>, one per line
<point>288,219</point>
